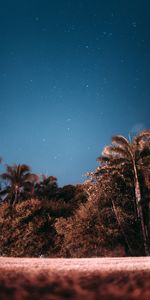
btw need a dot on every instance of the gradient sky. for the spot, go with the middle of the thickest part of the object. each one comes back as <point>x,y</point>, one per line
<point>72,74</point>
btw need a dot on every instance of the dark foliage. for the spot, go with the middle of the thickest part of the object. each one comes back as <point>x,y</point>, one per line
<point>109,215</point>
<point>125,173</point>
<point>27,228</point>
<point>46,188</point>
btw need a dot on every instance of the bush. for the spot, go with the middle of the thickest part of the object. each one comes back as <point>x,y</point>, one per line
<point>27,229</point>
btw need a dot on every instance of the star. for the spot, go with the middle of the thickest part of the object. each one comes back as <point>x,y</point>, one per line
<point>37,19</point>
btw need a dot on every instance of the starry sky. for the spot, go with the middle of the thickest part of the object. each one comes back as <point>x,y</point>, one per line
<point>72,74</point>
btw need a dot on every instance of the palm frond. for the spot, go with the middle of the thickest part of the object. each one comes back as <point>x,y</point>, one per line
<point>144,153</point>
<point>29,177</point>
<point>5,191</point>
<point>21,169</point>
<point>115,152</point>
<point>120,141</point>
<point>143,135</point>
<point>6,176</point>
<point>103,159</point>
<point>145,132</point>
<point>119,161</point>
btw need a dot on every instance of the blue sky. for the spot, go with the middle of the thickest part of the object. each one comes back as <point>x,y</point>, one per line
<point>72,74</point>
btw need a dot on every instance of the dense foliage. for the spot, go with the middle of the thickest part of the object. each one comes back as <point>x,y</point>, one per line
<point>27,228</point>
<point>108,215</point>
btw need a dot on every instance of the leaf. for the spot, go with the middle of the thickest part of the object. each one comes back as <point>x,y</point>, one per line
<point>114,152</point>
<point>120,141</point>
<point>143,135</point>
<point>103,159</point>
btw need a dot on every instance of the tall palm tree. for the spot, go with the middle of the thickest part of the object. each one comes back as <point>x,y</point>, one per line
<point>19,182</point>
<point>134,155</point>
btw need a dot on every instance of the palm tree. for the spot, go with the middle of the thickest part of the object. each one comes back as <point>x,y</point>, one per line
<point>19,182</point>
<point>135,156</point>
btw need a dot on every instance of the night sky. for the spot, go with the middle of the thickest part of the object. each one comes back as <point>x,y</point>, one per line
<point>72,74</point>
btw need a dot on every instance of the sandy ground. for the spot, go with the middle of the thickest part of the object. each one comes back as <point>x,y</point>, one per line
<point>87,264</point>
<point>57,279</point>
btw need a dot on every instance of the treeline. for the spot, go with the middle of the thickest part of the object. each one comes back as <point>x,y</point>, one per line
<point>108,215</point>
<point>18,184</point>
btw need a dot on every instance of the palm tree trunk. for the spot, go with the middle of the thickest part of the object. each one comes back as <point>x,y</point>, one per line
<point>121,228</point>
<point>15,200</point>
<point>138,199</point>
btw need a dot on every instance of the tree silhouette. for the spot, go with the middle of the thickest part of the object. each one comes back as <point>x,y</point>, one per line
<point>19,183</point>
